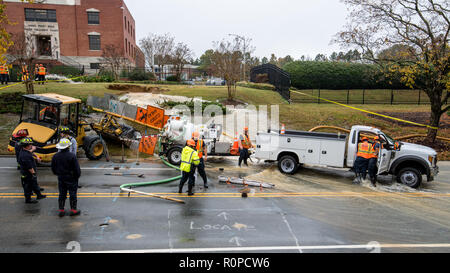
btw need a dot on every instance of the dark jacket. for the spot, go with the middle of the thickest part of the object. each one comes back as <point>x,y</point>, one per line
<point>26,162</point>
<point>17,149</point>
<point>65,166</point>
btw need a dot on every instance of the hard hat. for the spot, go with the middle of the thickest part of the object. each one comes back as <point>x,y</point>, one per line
<point>191,142</point>
<point>196,134</point>
<point>63,144</point>
<point>365,139</point>
<point>26,141</point>
<point>377,138</point>
<point>21,133</point>
<point>245,128</point>
<point>64,130</point>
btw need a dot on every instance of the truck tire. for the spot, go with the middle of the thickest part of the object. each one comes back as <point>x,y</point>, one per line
<point>174,156</point>
<point>410,177</point>
<point>288,165</point>
<point>93,148</point>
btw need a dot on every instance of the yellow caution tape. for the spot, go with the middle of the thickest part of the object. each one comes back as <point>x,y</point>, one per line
<point>365,111</point>
<point>11,85</point>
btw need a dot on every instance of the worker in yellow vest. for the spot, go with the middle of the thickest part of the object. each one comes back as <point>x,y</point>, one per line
<point>4,74</point>
<point>202,154</point>
<point>244,145</point>
<point>189,160</point>
<point>42,73</point>
<point>365,153</point>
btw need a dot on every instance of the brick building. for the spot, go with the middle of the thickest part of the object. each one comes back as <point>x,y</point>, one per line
<point>73,32</point>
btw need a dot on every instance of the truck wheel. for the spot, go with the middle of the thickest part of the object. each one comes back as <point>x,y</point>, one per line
<point>94,148</point>
<point>410,177</point>
<point>288,165</point>
<point>174,156</point>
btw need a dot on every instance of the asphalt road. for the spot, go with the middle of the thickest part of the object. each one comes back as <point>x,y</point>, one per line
<point>318,210</point>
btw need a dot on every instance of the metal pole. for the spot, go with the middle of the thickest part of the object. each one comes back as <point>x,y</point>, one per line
<point>364,96</point>
<point>348,96</point>
<point>318,98</point>
<point>420,92</point>
<point>392,96</point>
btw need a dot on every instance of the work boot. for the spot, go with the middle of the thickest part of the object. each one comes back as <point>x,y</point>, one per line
<point>374,182</point>
<point>180,190</point>
<point>357,180</point>
<point>31,201</point>
<point>74,212</point>
<point>206,186</point>
<point>61,213</point>
<point>190,193</point>
<point>41,197</point>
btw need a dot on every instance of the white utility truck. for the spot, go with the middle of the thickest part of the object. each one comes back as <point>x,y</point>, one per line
<point>408,162</point>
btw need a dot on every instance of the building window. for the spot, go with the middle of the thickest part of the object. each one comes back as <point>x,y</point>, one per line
<point>40,15</point>
<point>95,65</point>
<point>126,45</point>
<point>93,18</point>
<point>94,42</point>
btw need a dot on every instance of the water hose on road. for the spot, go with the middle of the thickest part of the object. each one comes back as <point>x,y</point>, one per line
<point>129,187</point>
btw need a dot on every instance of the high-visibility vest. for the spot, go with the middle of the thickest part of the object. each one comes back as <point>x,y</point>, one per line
<point>365,150</point>
<point>246,143</point>
<point>189,156</point>
<point>41,70</point>
<point>43,111</point>
<point>2,69</point>
<point>199,148</point>
<point>24,69</point>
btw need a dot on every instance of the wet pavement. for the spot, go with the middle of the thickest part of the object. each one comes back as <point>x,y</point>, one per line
<point>317,210</point>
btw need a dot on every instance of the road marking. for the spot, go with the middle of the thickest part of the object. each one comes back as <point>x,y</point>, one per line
<point>274,248</point>
<point>103,168</point>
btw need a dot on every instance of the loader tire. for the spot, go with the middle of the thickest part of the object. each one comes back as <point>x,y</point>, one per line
<point>93,148</point>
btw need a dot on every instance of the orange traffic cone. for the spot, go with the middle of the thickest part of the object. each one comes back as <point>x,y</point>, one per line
<point>283,129</point>
<point>235,148</point>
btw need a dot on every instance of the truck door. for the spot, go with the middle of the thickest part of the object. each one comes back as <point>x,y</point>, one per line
<point>384,160</point>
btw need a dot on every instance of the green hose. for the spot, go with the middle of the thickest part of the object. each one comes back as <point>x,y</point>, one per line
<point>136,185</point>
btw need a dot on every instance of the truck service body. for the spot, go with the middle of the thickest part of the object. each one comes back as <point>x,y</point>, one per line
<point>408,162</point>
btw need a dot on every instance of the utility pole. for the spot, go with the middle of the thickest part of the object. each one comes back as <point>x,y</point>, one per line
<point>245,49</point>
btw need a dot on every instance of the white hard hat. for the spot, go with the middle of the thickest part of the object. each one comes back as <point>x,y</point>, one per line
<point>63,144</point>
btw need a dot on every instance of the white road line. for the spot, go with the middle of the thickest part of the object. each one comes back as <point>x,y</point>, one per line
<point>274,248</point>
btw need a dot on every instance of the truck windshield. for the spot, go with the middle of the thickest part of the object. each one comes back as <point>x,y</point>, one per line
<point>390,139</point>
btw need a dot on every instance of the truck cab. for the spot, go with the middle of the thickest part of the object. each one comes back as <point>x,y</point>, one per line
<point>408,162</point>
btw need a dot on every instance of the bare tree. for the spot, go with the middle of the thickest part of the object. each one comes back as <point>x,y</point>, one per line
<point>164,47</point>
<point>421,29</point>
<point>226,61</point>
<point>148,45</point>
<point>112,57</point>
<point>23,52</point>
<point>181,55</point>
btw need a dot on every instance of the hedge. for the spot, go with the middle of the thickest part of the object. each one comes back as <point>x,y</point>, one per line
<point>11,102</point>
<point>338,76</point>
<point>262,86</point>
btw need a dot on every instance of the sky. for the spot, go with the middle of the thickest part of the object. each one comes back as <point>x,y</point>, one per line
<point>282,27</point>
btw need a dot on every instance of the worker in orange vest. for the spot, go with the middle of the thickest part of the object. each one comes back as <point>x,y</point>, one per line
<point>42,73</point>
<point>25,76</point>
<point>365,153</point>
<point>373,161</point>
<point>202,154</point>
<point>244,145</point>
<point>4,74</point>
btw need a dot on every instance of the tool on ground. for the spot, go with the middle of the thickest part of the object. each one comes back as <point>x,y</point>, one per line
<point>126,174</point>
<point>241,181</point>
<point>153,195</point>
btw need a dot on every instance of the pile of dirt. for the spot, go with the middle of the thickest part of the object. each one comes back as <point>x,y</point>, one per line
<point>417,117</point>
<point>131,88</point>
<point>232,102</point>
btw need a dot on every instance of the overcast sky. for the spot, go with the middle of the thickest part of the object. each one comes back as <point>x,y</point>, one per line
<point>283,27</point>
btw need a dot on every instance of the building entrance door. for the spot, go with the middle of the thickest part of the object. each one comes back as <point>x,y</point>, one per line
<point>44,45</point>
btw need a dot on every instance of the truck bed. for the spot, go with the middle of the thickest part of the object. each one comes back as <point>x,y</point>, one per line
<point>310,147</point>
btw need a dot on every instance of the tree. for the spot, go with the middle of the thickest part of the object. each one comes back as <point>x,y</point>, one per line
<point>206,61</point>
<point>23,52</point>
<point>227,61</point>
<point>157,50</point>
<point>112,57</point>
<point>273,59</point>
<point>377,25</point>
<point>264,60</point>
<point>321,58</point>
<point>181,55</point>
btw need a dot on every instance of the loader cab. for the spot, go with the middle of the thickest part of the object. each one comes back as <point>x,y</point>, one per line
<point>42,115</point>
